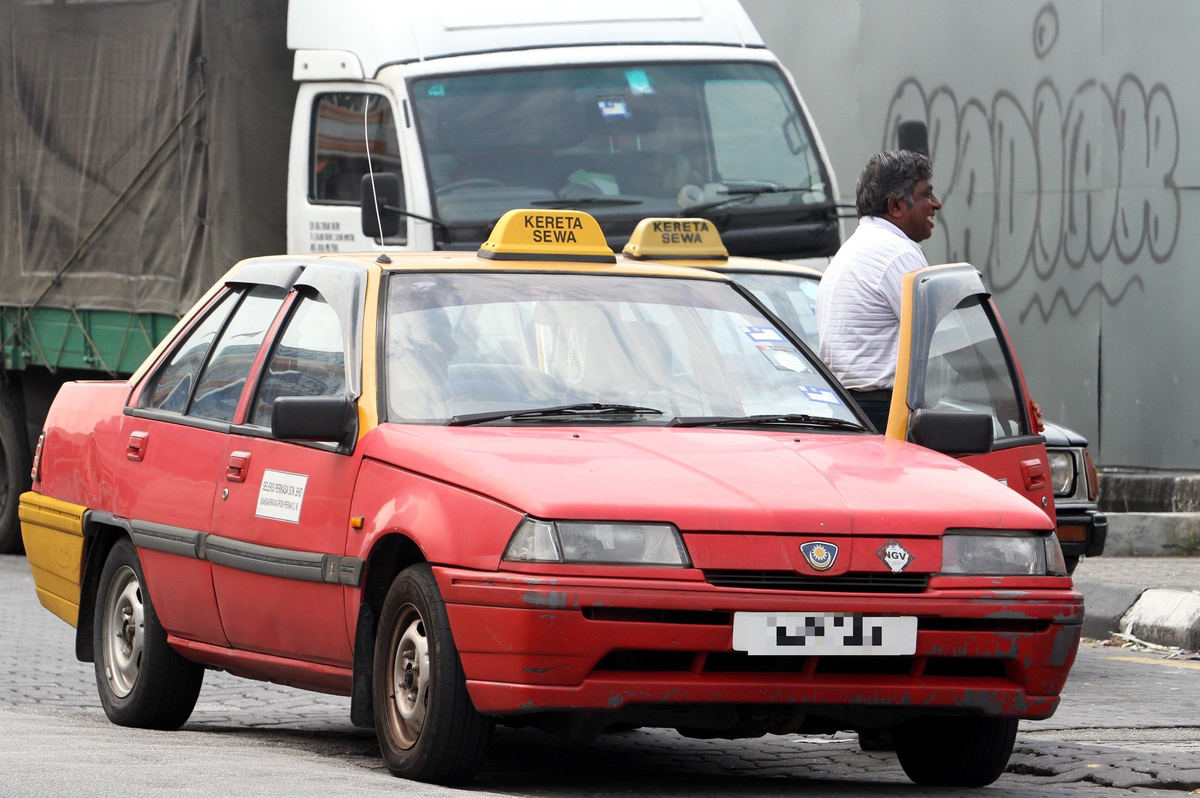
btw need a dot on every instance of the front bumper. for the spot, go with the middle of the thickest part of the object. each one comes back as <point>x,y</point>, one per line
<point>998,647</point>
<point>1081,531</point>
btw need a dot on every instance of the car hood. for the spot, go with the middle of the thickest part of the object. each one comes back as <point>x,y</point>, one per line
<point>711,479</point>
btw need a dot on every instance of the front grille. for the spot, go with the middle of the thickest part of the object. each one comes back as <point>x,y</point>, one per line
<point>842,583</point>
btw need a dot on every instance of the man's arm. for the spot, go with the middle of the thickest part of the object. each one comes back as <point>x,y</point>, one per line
<point>891,284</point>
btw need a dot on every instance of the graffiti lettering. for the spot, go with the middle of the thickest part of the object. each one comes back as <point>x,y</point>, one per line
<point>1031,187</point>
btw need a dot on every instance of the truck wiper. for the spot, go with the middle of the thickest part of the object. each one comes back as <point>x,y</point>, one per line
<point>764,420</point>
<point>585,202</point>
<point>562,411</point>
<point>740,195</point>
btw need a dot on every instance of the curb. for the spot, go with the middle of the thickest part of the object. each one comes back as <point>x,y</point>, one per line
<point>1153,535</point>
<point>1157,615</point>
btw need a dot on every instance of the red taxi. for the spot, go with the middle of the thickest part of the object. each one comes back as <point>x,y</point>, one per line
<point>539,485</point>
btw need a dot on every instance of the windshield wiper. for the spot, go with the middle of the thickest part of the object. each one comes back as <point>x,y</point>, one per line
<point>764,420</point>
<point>564,411</point>
<point>740,195</point>
<point>584,202</point>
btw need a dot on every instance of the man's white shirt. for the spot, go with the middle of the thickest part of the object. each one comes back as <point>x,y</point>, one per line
<point>858,304</point>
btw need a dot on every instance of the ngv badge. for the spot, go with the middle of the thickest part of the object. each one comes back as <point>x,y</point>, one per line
<point>819,554</point>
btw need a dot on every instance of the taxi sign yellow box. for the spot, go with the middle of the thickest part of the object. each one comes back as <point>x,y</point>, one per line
<point>676,239</point>
<point>525,234</point>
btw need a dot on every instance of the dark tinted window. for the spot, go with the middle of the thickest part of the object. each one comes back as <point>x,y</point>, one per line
<point>220,386</point>
<point>308,361</point>
<point>339,146</point>
<point>174,383</point>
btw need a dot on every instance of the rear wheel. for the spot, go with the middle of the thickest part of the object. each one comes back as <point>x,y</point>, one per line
<point>14,469</point>
<point>1072,564</point>
<point>427,727</point>
<point>955,751</point>
<point>143,682</point>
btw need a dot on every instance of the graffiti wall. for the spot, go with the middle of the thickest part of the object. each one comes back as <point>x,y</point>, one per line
<point>1064,152</point>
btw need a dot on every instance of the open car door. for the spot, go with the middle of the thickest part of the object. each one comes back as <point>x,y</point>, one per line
<point>957,375</point>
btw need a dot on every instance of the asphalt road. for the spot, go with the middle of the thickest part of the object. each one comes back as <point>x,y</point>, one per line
<point>1129,722</point>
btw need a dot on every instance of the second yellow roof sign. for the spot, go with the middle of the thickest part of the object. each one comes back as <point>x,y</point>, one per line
<point>676,239</point>
<point>547,235</point>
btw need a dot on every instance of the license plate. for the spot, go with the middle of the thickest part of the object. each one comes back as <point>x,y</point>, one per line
<point>823,634</point>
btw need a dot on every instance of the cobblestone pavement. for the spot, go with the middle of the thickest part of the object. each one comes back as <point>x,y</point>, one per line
<point>1180,573</point>
<point>1129,722</point>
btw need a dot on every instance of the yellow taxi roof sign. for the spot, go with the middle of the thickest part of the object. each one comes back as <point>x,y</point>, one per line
<point>525,234</point>
<point>676,239</point>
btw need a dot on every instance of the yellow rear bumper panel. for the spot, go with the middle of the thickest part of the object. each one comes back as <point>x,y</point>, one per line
<point>53,533</point>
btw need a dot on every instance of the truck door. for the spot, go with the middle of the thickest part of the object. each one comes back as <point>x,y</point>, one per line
<point>340,133</point>
<point>955,355</point>
<point>282,509</point>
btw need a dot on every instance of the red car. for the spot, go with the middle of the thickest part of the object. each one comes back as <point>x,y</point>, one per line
<point>541,486</point>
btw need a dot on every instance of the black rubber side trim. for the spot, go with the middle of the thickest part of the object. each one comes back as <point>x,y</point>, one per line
<point>304,566</point>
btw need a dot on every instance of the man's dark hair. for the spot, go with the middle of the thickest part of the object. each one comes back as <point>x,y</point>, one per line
<point>894,173</point>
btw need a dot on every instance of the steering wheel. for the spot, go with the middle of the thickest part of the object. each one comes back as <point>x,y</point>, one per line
<point>470,182</point>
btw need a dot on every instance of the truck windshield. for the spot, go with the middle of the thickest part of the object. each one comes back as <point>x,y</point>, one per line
<point>459,344</point>
<point>621,141</point>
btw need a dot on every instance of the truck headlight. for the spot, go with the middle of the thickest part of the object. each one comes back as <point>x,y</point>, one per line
<point>597,543</point>
<point>1062,473</point>
<point>992,553</point>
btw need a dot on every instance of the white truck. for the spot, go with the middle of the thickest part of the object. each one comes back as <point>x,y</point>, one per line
<point>145,148</point>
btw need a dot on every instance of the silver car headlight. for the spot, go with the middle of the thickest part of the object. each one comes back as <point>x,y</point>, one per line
<point>597,543</point>
<point>986,552</point>
<point>1062,472</point>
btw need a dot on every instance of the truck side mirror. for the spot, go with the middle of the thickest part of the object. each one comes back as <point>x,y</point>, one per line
<point>951,431</point>
<point>385,214</point>
<point>315,418</point>
<point>913,135</point>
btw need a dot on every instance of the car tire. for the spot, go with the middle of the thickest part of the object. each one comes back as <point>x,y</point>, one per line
<point>428,729</point>
<point>1072,564</point>
<point>955,751</point>
<point>15,463</point>
<point>143,682</point>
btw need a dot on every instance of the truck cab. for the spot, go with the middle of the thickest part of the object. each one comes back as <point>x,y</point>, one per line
<point>445,117</point>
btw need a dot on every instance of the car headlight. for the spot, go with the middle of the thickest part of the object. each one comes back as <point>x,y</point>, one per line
<point>992,553</point>
<point>1062,473</point>
<point>598,543</point>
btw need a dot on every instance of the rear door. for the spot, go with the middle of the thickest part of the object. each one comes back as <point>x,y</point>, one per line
<point>955,355</point>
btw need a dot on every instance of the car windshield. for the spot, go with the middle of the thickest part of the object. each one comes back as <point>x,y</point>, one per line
<point>461,344</point>
<point>791,297</point>
<point>623,141</point>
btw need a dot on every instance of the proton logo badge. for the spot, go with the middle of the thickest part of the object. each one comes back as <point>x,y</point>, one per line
<point>894,556</point>
<point>819,554</point>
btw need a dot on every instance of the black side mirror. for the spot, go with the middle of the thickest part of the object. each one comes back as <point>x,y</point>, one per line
<point>389,193</point>
<point>913,135</point>
<point>951,431</point>
<point>315,418</point>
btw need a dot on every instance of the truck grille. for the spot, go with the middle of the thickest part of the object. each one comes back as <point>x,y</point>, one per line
<point>843,583</point>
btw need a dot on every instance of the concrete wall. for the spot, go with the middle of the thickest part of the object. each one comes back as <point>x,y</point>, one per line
<point>1064,149</point>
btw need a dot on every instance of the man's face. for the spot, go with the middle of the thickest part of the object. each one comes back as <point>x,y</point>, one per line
<point>917,221</point>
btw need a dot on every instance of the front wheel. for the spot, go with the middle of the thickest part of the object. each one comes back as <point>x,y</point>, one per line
<point>143,682</point>
<point>955,751</point>
<point>427,727</point>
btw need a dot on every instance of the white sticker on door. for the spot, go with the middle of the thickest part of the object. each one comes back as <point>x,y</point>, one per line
<point>281,496</point>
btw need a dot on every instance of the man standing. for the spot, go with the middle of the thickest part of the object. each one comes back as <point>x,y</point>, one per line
<point>858,302</point>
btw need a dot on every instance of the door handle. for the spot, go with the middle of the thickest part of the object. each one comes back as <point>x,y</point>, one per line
<point>1034,472</point>
<point>239,464</point>
<point>136,448</point>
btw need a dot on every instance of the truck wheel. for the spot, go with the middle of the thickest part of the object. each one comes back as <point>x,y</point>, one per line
<point>427,727</point>
<point>143,682</point>
<point>955,751</point>
<point>14,470</point>
<point>1072,564</point>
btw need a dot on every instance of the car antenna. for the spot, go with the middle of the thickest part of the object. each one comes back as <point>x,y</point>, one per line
<point>383,258</point>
